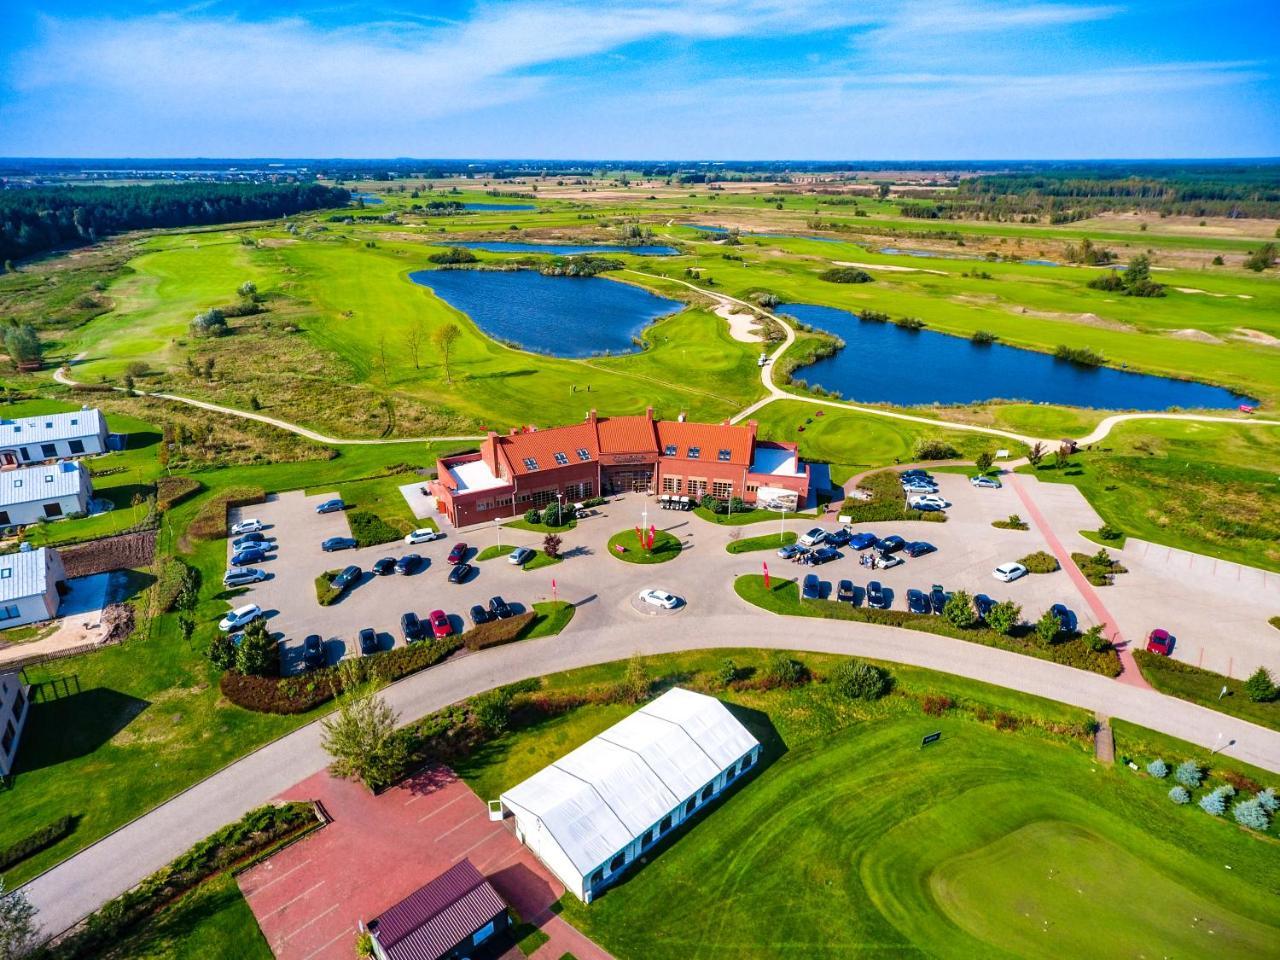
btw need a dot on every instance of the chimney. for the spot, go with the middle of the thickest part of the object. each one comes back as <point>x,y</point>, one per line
<point>648,412</point>
<point>591,416</point>
<point>680,418</point>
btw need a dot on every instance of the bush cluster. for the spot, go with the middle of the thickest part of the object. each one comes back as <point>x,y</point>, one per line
<point>36,841</point>
<point>935,449</point>
<point>210,521</point>
<point>1098,568</point>
<point>370,529</point>
<point>171,491</point>
<point>1040,562</point>
<point>1079,355</point>
<point>845,275</point>
<point>886,502</point>
<point>859,680</point>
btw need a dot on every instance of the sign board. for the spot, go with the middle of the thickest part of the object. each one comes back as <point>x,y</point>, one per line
<point>1002,454</point>
<point>931,738</point>
<point>777,499</point>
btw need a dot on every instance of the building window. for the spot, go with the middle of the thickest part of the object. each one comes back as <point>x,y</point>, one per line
<point>49,449</point>
<point>724,456</point>
<point>752,488</point>
<point>6,573</point>
<point>669,450</point>
<point>665,825</point>
<point>4,518</point>
<point>584,454</point>
<point>562,459</point>
<point>706,792</point>
<point>688,807</point>
<point>75,446</point>
<point>695,453</point>
<point>671,484</point>
<point>53,509</point>
<point>17,481</point>
<point>9,612</point>
<point>616,863</point>
<point>722,489</point>
<point>48,478</point>
<point>542,497</point>
<point>747,761</point>
<point>530,463</point>
<point>26,454</point>
<point>650,836</point>
<point>697,488</point>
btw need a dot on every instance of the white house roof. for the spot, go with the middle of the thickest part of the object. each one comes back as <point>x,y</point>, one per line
<point>23,574</point>
<point>62,479</point>
<point>50,427</point>
<point>609,791</point>
<point>473,476</point>
<point>775,461</point>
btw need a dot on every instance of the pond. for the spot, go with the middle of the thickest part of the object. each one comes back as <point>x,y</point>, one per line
<point>558,316</point>
<point>498,206</point>
<point>882,363</point>
<point>366,197</point>
<point>562,249</point>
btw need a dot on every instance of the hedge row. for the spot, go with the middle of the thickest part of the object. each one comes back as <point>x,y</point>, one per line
<point>497,632</point>
<point>887,502</point>
<point>256,831</point>
<point>210,521</point>
<point>171,491</point>
<point>369,529</point>
<point>39,840</point>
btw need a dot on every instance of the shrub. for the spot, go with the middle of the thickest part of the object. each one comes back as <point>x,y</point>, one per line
<point>1004,617</point>
<point>210,521</point>
<point>257,654</point>
<point>936,704</point>
<point>454,255</point>
<point>556,515</point>
<point>532,515</point>
<point>1251,814</point>
<point>1006,721</point>
<point>1215,801</point>
<point>1158,769</point>
<point>984,337</point>
<point>1108,532</point>
<point>326,593</point>
<point>1047,628</point>
<point>1082,356</point>
<point>1180,795</point>
<point>1268,799</point>
<point>1040,562</point>
<point>497,632</point>
<point>492,710</point>
<point>909,323</point>
<point>859,680</point>
<point>1098,568</point>
<point>959,610</point>
<point>934,449</point>
<point>176,585</point>
<point>1094,639</point>
<point>781,670</point>
<point>1260,687</point>
<point>1014,522</point>
<point>635,684</point>
<point>36,841</point>
<point>726,673</point>
<point>171,491</point>
<point>369,529</point>
<point>551,544</point>
<point>1189,774</point>
<point>845,275</point>
<point>221,651</point>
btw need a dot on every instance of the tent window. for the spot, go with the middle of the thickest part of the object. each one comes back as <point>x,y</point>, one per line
<point>616,863</point>
<point>665,825</point>
<point>688,807</point>
<point>597,877</point>
<point>706,792</point>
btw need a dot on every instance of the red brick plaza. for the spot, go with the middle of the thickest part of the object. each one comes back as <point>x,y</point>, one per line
<point>529,468</point>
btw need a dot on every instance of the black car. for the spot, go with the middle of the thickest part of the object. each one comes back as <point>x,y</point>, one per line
<point>837,538</point>
<point>812,587</point>
<point>368,641</point>
<point>983,604</point>
<point>1065,617</point>
<point>249,538</point>
<point>408,563</point>
<point>347,577</point>
<point>938,598</point>
<point>411,626</point>
<point>824,555</point>
<point>500,608</point>
<point>480,615</point>
<point>922,474</point>
<point>890,544</point>
<point>338,543</point>
<point>460,572</point>
<point>313,652</point>
<point>918,549</point>
<point>917,602</point>
<point>248,556</point>
<point>845,592</point>
<point>876,597</point>
<point>385,567</point>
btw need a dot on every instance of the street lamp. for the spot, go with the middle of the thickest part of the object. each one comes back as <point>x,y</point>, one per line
<point>497,525</point>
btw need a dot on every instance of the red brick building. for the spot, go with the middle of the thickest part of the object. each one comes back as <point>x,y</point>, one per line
<point>609,455</point>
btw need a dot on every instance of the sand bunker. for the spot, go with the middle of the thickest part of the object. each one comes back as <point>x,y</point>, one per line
<point>1191,333</point>
<point>887,267</point>
<point>742,325</point>
<point>1255,336</point>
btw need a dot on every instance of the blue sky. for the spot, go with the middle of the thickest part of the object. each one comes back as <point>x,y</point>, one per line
<point>707,79</point>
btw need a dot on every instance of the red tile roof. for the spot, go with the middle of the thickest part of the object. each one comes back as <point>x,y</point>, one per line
<point>543,445</point>
<point>434,919</point>
<point>627,435</point>
<point>710,437</point>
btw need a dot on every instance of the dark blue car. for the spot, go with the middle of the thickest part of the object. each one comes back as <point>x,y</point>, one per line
<point>861,541</point>
<point>1065,617</point>
<point>246,557</point>
<point>983,604</point>
<point>812,588</point>
<point>918,549</point>
<point>890,544</point>
<point>331,506</point>
<point>917,602</point>
<point>876,597</point>
<point>838,538</point>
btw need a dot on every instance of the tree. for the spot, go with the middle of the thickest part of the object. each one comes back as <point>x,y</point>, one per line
<point>444,338</point>
<point>209,323</point>
<point>983,461</point>
<point>1004,617</point>
<point>726,673</point>
<point>1189,774</point>
<point>1214,803</point>
<point>1047,628</point>
<point>780,670</point>
<point>551,545</point>
<point>959,610</point>
<point>492,710</point>
<point>635,681</point>
<point>248,290</point>
<point>17,924</point>
<point>221,651</point>
<point>1062,457</point>
<point>1035,454</point>
<point>1262,258</point>
<point>1260,687</point>
<point>361,737</point>
<point>1251,814</point>
<point>1180,795</point>
<point>1094,640</point>
<point>256,652</point>
<point>22,343</point>
<point>859,680</point>
<point>413,340</point>
<point>1270,802</point>
<point>1158,769</point>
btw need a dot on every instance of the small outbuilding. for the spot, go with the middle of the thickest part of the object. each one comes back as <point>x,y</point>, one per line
<point>446,919</point>
<point>48,492</point>
<point>595,811</point>
<point>29,582</point>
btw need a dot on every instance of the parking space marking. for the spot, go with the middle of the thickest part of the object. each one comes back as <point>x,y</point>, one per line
<point>289,936</point>
<point>324,946</point>
<point>483,840</point>
<point>296,866</point>
<point>294,900</point>
<point>428,816</point>
<point>511,856</point>
<point>460,825</point>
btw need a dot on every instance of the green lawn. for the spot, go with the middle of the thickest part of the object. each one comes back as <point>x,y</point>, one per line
<point>211,921</point>
<point>666,547</point>
<point>552,617</point>
<point>540,560</point>
<point>852,841</point>
<point>1204,687</point>
<point>769,541</point>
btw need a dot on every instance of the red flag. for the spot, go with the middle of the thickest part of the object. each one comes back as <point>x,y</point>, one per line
<point>653,535</point>
<point>766,575</point>
<point>553,588</point>
<point>639,535</point>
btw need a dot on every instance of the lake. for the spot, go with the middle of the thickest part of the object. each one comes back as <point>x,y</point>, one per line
<point>498,206</point>
<point>562,249</point>
<point>558,316</point>
<point>882,363</point>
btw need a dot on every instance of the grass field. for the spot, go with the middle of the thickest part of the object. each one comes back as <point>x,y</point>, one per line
<point>665,547</point>
<point>211,921</point>
<point>1204,687</point>
<point>852,842</point>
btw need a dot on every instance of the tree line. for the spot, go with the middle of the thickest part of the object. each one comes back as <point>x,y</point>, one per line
<point>36,221</point>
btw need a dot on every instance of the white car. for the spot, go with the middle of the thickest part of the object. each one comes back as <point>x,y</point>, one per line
<point>660,598</point>
<point>920,487</point>
<point>245,526</point>
<point>983,482</point>
<point>242,576</point>
<point>929,500</point>
<point>240,617</point>
<point>520,556</point>
<point>1008,572</point>
<point>423,535</point>
<point>813,537</point>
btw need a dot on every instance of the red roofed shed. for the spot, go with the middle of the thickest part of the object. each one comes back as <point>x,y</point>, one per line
<point>445,919</point>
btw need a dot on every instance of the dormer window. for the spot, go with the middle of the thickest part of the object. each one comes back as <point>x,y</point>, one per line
<point>562,459</point>
<point>530,463</point>
<point>669,450</point>
<point>695,453</point>
<point>724,456</point>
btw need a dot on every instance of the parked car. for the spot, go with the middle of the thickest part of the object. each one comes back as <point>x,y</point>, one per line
<point>811,538</point>
<point>349,575</point>
<point>312,652</point>
<point>876,596</point>
<point>838,538</point>
<point>242,576</point>
<point>845,591</point>
<point>891,544</point>
<point>480,615</point>
<point>338,543</point>
<point>458,553</point>
<point>659,598</point>
<point>791,550</point>
<point>927,506</point>
<point>887,561</point>
<point>385,566</point>
<point>1159,641</point>
<point>248,556</point>
<point>861,541</point>
<point>408,564</point>
<point>811,589</point>
<point>1008,572</point>
<point>983,604</point>
<point>984,482</point>
<point>1065,617</point>
<point>411,627</point>
<point>422,535</point>
<point>251,538</point>
<point>440,625</point>
<point>938,598</point>
<point>331,506</point>
<point>918,548</point>
<point>240,617</point>
<point>520,556</point>
<point>500,608</point>
<point>917,602</point>
<point>919,485</point>
<point>246,526</point>
<point>928,500</point>
<point>460,573</point>
<point>824,555</point>
<point>368,641</point>
<point>915,472</point>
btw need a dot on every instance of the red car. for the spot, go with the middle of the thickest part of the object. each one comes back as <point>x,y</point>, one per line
<point>440,625</point>
<point>458,553</point>
<point>1159,641</point>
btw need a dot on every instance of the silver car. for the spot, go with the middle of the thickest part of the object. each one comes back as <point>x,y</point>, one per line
<point>242,576</point>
